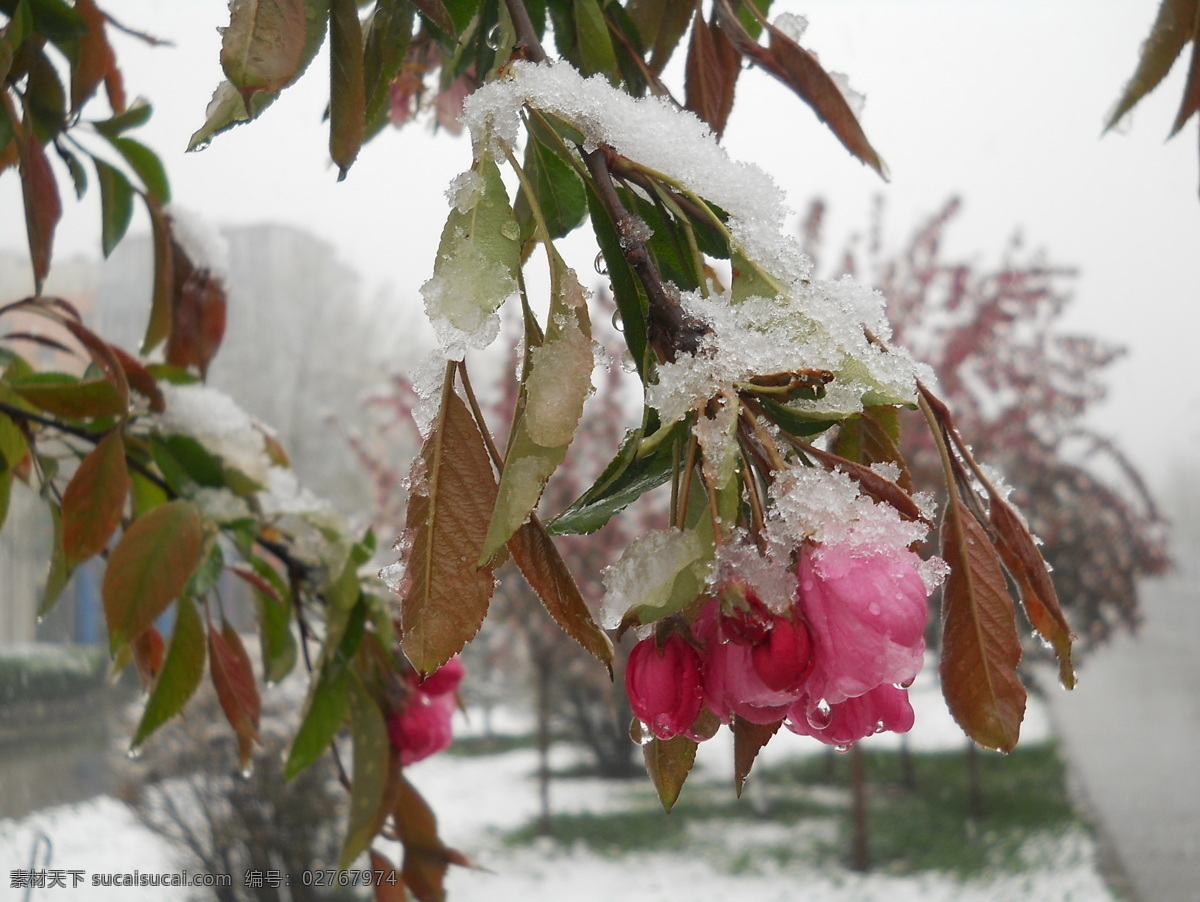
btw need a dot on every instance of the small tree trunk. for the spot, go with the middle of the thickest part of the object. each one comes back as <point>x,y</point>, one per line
<point>976,808</point>
<point>860,858</point>
<point>542,669</point>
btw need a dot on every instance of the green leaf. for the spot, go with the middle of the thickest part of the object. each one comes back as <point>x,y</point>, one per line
<point>262,48</point>
<point>389,34</point>
<point>596,54</point>
<point>478,257</point>
<point>74,167</point>
<point>60,568</point>
<point>185,463</point>
<point>370,775</point>
<point>20,23</point>
<point>627,291</point>
<point>324,712</point>
<point>137,114</point>
<point>94,499</point>
<point>800,423</point>
<point>557,384</point>
<point>559,192</point>
<point>13,446</point>
<point>65,396</point>
<point>149,567</point>
<point>145,494</point>
<point>1172,29</point>
<point>147,165</point>
<point>678,583</point>
<point>275,634</point>
<point>445,595</point>
<point>980,645</point>
<point>347,92</point>
<point>237,692</point>
<point>116,205</point>
<point>159,325</point>
<point>661,23</point>
<point>626,478</point>
<point>181,671</point>
<point>668,762</point>
<point>228,108</point>
<point>54,18</point>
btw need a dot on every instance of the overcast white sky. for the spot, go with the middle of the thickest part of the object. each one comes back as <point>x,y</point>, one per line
<point>999,101</point>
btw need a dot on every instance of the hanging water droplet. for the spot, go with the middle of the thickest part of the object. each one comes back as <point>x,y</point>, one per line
<point>134,753</point>
<point>617,321</point>
<point>246,772</point>
<point>203,145</point>
<point>820,715</point>
<point>600,264</point>
<point>40,618</point>
<point>842,747</point>
<point>646,736</point>
<point>628,364</point>
<point>495,36</point>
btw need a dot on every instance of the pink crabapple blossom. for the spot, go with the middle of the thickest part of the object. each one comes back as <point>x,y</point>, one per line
<point>664,685</point>
<point>421,726</point>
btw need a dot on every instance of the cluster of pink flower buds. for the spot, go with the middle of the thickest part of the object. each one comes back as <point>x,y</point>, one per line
<point>421,726</point>
<point>833,665</point>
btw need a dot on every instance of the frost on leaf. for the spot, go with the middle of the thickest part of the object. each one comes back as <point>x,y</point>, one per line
<point>559,381</point>
<point>477,262</point>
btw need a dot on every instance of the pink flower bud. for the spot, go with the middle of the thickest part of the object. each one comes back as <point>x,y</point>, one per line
<point>664,685</point>
<point>784,659</point>
<point>743,619</point>
<point>422,727</point>
<point>445,679</point>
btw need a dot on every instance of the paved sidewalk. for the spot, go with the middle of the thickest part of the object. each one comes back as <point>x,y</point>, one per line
<point>1131,733</point>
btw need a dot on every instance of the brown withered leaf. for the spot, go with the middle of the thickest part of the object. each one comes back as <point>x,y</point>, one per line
<point>1028,569</point>
<point>426,857</point>
<point>547,573</point>
<point>713,66</point>
<point>748,740</point>
<point>800,71</point>
<point>445,595</point>
<point>386,881</point>
<point>980,646</point>
<point>233,679</point>
<point>668,762</point>
<point>94,499</point>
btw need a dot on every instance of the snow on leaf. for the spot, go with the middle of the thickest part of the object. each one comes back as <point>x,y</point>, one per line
<point>477,263</point>
<point>657,575</point>
<point>558,382</point>
<point>444,595</point>
<point>980,645</point>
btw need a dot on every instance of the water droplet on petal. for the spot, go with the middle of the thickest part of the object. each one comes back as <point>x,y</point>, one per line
<point>819,715</point>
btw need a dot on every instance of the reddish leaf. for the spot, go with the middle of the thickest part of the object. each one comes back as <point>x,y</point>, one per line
<point>140,379</point>
<point>435,11</point>
<point>800,71</point>
<point>1025,564</point>
<point>347,92</point>
<point>748,740</point>
<point>1171,31</point>
<point>426,857</point>
<point>95,499</point>
<point>148,649</point>
<point>259,583</point>
<point>385,879</point>
<point>197,317</point>
<point>103,356</point>
<point>94,59</point>
<point>980,646</point>
<point>661,23</point>
<point>713,66</point>
<point>871,438</point>
<point>149,567</point>
<point>545,570</point>
<point>263,46</point>
<point>445,595</point>
<point>42,205</point>
<point>668,762</point>
<point>233,679</point>
<point>74,399</point>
